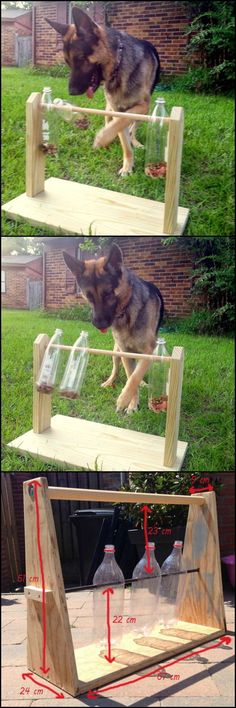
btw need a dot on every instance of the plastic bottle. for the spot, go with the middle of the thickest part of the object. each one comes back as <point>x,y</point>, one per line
<point>108,572</point>
<point>75,369</point>
<point>156,144</point>
<point>47,376</point>
<point>158,379</point>
<point>145,593</point>
<point>70,116</point>
<point>49,124</point>
<point>172,586</point>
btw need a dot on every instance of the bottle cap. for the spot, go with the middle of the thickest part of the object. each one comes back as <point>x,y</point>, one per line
<point>160,100</point>
<point>47,89</point>
<point>178,544</point>
<point>150,546</point>
<point>161,341</point>
<point>109,548</point>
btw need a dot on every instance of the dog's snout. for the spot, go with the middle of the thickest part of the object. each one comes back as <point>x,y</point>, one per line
<point>73,91</point>
<point>100,323</point>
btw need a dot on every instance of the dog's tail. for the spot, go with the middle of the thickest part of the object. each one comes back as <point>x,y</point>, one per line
<point>158,69</point>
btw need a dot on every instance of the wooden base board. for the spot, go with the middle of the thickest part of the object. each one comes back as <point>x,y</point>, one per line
<point>82,443</point>
<point>73,208</point>
<point>135,655</point>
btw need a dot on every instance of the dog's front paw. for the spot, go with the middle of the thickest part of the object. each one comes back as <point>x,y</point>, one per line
<point>101,139</point>
<point>123,401</point>
<point>127,168</point>
<point>133,405</point>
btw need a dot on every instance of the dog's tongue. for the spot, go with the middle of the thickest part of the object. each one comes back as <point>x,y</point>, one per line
<point>103,331</point>
<point>90,92</point>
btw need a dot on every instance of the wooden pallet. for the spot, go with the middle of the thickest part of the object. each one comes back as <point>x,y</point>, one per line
<point>74,207</point>
<point>81,443</point>
<point>201,612</point>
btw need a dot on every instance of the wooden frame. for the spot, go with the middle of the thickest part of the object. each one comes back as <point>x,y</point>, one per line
<point>82,443</point>
<point>73,207</point>
<point>201,614</point>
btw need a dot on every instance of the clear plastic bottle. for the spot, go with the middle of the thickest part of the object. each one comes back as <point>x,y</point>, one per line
<point>47,376</point>
<point>49,124</point>
<point>156,144</point>
<point>145,593</point>
<point>75,369</point>
<point>108,572</point>
<point>69,116</point>
<point>173,586</point>
<point>158,379</point>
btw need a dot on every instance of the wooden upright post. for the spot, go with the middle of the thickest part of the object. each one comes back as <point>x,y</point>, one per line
<point>173,408</point>
<point>50,652</point>
<point>203,600</point>
<point>41,401</point>
<point>35,159</point>
<point>176,129</point>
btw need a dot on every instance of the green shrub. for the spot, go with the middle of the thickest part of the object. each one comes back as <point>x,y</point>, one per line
<point>56,70</point>
<point>77,312</point>
<point>164,483</point>
<point>212,44</point>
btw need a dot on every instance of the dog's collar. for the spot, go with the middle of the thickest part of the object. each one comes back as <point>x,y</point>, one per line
<point>118,60</point>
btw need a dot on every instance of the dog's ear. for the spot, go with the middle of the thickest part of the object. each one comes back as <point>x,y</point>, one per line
<point>61,29</point>
<point>76,267</point>
<point>84,23</point>
<point>114,260</point>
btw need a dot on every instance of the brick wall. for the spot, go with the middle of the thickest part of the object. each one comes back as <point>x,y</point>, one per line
<point>162,23</point>
<point>16,284</point>
<point>10,30</point>
<point>168,268</point>
<point>48,43</point>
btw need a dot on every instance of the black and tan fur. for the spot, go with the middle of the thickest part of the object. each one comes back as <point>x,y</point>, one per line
<point>131,306</point>
<point>127,67</point>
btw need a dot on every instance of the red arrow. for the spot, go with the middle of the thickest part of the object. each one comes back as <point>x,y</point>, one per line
<point>30,676</point>
<point>43,667</point>
<point>147,511</point>
<point>223,640</point>
<point>107,592</point>
<point>193,490</point>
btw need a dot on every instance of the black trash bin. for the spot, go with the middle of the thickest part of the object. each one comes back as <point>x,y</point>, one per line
<point>95,528</point>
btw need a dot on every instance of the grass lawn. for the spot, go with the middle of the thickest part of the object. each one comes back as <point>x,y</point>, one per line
<point>206,184</point>
<point>207,402</point>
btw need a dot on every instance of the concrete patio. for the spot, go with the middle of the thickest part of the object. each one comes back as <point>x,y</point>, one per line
<point>202,680</point>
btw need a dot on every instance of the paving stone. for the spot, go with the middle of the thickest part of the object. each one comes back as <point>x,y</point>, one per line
<point>193,702</point>
<point>8,704</point>
<point>223,678</point>
<point>15,633</point>
<point>14,654</point>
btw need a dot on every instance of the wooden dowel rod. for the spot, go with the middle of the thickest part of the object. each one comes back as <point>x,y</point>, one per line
<point>113,114</point>
<point>110,352</point>
<point>70,494</point>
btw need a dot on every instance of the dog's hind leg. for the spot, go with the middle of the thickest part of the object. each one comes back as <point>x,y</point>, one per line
<point>115,370</point>
<point>132,132</point>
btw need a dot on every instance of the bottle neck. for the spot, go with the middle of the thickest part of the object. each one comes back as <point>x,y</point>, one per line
<point>150,553</point>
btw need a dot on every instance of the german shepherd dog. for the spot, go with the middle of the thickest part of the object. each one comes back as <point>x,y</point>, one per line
<point>127,67</point>
<point>132,307</point>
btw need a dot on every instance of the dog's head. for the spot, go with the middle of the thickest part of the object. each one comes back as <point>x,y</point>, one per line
<point>101,284</point>
<point>83,46</point>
